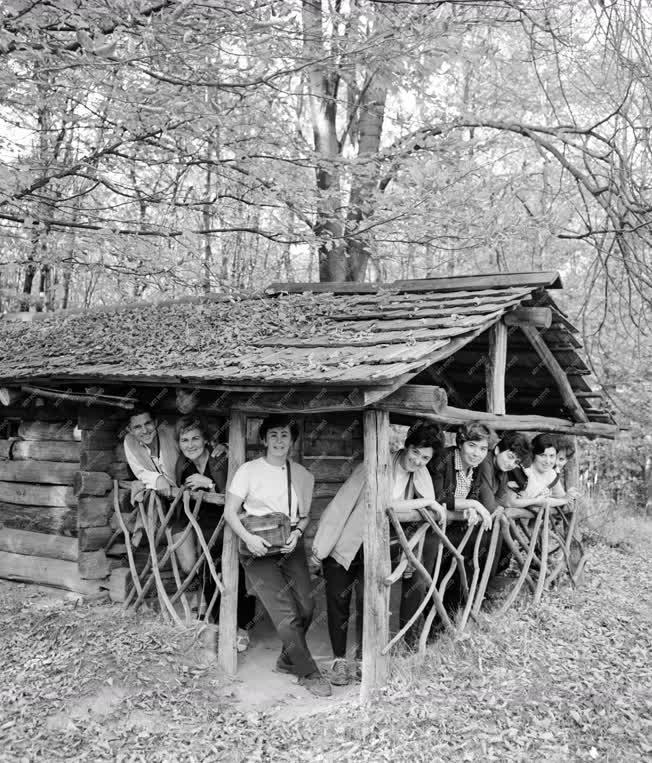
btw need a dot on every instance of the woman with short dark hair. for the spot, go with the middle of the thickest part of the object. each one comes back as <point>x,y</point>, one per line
<point>278,491</point>
<point>543,484</point>
<point>338,542</point>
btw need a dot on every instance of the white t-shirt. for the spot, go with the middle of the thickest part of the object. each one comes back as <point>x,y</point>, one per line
<point>263,488</point>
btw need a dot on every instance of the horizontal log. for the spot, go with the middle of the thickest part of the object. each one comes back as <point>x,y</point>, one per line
<point>28,410</point>
<point>523,423</point>
<point>96,460</point>
<point>28,494</point>
<point>335,426</point>
<point>40,472</point>
<point>50,430</point>
<point>94,511</point>
<point>55,520</point>
<point>321,399</point>
<point>334,447</point>
<point>97,418</point>
<point>43,571</point>
<point>92,483</point>
<point>539,317</point>
<point>38,544</point>
<point>94,538</point>
<point>331,468</point>
<point>99,439</point>
<point>40,450</point>
<point>415,397</point>
<point>119,470</point>
<point>93,565</point>
<point>78,397</point>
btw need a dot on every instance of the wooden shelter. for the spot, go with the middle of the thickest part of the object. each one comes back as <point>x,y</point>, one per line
<point>345,358</point>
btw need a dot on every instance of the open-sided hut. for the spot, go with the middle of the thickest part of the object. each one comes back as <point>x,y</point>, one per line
<point>345,358</point>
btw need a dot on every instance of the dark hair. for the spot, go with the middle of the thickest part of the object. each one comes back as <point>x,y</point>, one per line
<point>140,410</point>
<point>518,443</point>
<point>424,434</point>
<point>473,432</point>
<point>278,420</point>
<point>543,441</point>
<point>186,423</point>
<point>567,444</point>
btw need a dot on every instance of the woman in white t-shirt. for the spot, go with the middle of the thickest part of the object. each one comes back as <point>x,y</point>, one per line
<point>275,484</point>
<point>543,483</point>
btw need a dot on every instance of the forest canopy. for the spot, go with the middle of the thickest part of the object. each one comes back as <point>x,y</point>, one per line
<point>156,148</point>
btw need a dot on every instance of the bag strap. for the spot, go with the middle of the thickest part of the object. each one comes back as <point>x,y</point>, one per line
<point>288,470</point>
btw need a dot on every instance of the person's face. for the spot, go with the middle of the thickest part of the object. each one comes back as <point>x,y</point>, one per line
<point>192,444</point>
<point>186,401</point>
<point>506,460</point>
<point>473,452</point>
<point>278,441</point>
<point>414,458</point>
<point>143,428</point>
<point>562,460</point>
<point>543,462</point>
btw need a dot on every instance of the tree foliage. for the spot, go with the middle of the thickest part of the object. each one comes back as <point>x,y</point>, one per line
<point>170,146</point>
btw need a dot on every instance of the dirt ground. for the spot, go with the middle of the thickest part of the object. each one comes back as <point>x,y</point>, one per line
<point>569,681</point>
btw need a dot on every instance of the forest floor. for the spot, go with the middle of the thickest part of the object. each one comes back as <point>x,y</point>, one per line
<point>568,681</point>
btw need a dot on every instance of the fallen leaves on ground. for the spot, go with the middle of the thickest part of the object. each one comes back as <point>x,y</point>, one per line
<point>567,681</point>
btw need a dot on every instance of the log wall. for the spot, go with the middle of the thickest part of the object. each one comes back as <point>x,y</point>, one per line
<point>38,463</point>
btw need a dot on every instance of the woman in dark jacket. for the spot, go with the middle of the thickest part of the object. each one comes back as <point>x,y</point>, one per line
<point>198,469</point>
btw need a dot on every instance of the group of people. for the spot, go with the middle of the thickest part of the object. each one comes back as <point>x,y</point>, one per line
<point>268,507</point>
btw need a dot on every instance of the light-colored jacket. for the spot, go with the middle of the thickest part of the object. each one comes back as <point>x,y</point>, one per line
<point>146,468</point>
<point>341,527</point>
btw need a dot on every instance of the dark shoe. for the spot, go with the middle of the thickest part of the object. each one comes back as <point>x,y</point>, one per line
<point>283,666</point>
<point>339,673</point>
<point>316,684</point>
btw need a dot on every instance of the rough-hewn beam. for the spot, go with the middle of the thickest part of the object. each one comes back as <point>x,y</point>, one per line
<point>537,317</point>
<point>557,373</point>
<point>415,397</point>
<point>376,552</point>
<point>227,653</point>
<point>495,366</point>
<point>512,422</point>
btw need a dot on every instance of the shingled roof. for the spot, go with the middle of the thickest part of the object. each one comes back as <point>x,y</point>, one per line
<point>293,334</point>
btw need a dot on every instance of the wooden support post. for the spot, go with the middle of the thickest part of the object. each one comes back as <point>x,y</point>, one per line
<point>495,368</point>
<point>376,552</point>
<point>226,650</point>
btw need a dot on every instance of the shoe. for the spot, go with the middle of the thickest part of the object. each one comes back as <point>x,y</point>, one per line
<point>282,666</point>
<point>316,684</point>
<point>339,672</point>
<point>242,640</point>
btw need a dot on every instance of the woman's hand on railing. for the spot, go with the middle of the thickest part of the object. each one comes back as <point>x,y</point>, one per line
<point>439,510</point>
<point>478,513</point>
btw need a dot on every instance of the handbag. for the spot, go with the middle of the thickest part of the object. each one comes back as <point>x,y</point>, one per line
<point>275,527</point>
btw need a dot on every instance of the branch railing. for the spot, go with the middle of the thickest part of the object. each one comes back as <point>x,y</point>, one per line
<point>542,541</point>
<point>155,522</point>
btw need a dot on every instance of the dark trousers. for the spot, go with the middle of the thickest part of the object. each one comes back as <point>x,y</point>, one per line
<point>340,585</point>
<point>246,603</point>
<point>415,592</point>
<point>282,583</point>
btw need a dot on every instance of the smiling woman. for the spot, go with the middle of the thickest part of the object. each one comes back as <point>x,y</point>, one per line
<point>276,494</point>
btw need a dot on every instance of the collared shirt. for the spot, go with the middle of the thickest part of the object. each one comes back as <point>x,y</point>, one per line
<point>464,478</point>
